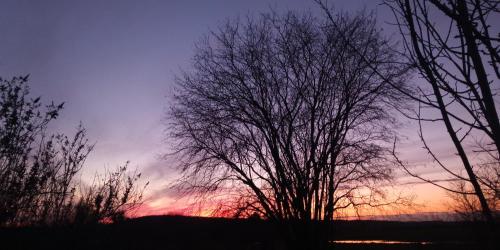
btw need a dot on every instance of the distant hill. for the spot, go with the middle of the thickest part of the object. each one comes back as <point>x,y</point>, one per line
<point>424,216</point>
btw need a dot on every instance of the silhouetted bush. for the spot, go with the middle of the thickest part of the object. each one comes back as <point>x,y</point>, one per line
<point>37,168</point>
<point>110,197</point>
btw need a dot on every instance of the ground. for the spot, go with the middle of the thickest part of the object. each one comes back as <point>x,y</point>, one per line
<point>186,233</point>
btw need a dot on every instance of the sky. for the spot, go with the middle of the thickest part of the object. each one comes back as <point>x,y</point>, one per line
<point>113,63</point>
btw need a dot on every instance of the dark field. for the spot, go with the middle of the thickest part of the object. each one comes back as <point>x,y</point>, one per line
<point>172,232</point>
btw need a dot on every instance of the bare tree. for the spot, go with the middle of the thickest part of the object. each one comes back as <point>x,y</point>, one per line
<point>280,118</point>
<point>455,47</point>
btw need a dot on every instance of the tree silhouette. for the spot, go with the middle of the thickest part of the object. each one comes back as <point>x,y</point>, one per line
<point>459,59</point>
<point>280,118</point>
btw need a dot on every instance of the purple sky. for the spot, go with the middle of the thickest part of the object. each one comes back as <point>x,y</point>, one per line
<point>114,62</point>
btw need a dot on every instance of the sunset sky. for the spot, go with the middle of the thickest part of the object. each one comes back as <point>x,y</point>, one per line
<point>114,62</point>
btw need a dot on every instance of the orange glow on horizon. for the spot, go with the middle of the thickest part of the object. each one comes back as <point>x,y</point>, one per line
<point>429,200</point>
